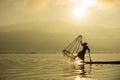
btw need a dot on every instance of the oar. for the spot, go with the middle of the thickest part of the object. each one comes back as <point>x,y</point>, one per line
<point>90,58</point>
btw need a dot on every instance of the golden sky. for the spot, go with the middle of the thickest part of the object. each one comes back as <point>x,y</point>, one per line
<point>97,20</point>
<point>97,12</point>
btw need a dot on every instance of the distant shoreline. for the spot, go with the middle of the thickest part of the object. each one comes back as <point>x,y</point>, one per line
<point>43,52</point>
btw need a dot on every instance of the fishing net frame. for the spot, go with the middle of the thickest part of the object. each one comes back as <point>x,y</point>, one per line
<point>73,48</point>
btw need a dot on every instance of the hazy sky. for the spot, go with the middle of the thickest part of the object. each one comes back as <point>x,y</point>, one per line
<point>96,12</point>
<point>98,20</point>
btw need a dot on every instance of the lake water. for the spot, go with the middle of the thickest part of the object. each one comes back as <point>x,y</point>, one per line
<point>54,66</point>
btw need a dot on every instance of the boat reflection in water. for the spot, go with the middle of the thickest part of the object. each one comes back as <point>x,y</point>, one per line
<point>82,78</point>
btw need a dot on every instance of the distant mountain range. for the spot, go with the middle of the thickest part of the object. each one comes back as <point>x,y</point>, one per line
<point>55,36</point>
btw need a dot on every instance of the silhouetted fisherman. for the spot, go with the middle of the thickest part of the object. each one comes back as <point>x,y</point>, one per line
<point>81,54</point>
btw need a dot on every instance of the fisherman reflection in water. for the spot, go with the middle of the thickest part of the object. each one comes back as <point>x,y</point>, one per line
<point>81,54</point>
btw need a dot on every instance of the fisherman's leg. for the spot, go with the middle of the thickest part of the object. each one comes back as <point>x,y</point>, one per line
<point>83,58</point>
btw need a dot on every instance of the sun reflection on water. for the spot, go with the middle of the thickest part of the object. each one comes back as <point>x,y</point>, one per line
<point>79,78</point>
<point>82,78</point>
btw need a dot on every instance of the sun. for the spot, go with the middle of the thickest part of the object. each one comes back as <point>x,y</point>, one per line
<point>79,11</point>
